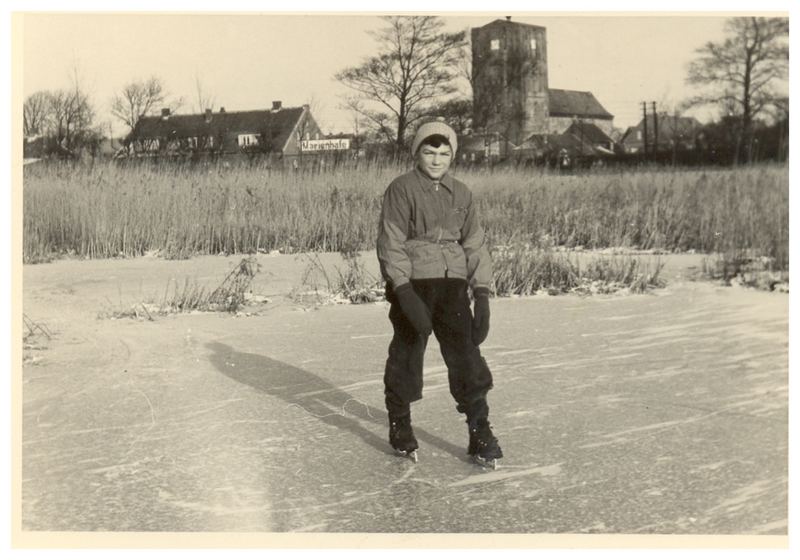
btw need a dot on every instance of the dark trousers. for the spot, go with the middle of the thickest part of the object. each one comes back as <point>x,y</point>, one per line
<point>468,375</point>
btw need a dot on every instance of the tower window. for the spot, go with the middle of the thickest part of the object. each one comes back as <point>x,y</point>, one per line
<point>495,44</point>
<point>533,45</point>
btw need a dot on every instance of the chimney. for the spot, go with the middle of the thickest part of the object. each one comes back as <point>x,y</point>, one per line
<point>165,113</point>
<point>222,109</point>
<point>208,115</point>
<point>276,105</point>
<point>508,18</point>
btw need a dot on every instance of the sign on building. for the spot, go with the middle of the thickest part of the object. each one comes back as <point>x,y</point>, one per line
<point>330,145</point>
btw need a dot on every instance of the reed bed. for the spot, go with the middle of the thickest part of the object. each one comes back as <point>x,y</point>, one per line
<point>107,210</point>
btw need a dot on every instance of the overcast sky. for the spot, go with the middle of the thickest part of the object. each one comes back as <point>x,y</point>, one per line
<point>247,61</point>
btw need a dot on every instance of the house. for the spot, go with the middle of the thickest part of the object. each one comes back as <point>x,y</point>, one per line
<point>568,106</point>
<point>478,147</point>
<point>592,134</point>
<point>674,133</point>
<point>277,132</point>
<point>562,150</point>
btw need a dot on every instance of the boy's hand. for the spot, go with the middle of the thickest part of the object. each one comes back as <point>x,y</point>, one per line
<point>414,309</point>
<point>480,322</point>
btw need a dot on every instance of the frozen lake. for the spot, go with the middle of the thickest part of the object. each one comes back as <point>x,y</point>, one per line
<point>664,413</point>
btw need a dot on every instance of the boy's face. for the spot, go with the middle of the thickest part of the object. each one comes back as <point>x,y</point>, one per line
<point>434,162</point>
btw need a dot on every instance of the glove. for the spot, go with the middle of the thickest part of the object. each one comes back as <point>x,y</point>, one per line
<point>480,321</point>
<point>414,309</point>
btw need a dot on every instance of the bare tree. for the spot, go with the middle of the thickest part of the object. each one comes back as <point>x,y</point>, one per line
<point>414,66</point>
<point>457,112</point>
<point>377,123</point>
<point>137,99</point>
<point>57,108</point>
<point>465,73</point>
<point>71,115</point>
<point>740,73</point>
<point>35,113</point>
<point>205,100</point>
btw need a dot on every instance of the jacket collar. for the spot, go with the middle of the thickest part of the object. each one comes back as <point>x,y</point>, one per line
<point>426,181</point>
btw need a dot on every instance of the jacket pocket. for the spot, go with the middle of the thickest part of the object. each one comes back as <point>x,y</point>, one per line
<point>456,260</point>
<point>455,219</point>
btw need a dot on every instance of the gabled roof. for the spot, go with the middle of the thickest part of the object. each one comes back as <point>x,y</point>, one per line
<point>279,124</point>
<point>669,126</point>
<point>589,132</point>
<point>554,143</point>
<point>627,134</point>
<point>570,103</point>
<point>505,22</point>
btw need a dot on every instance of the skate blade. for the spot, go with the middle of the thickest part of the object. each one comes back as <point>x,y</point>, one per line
<point>486,463</point>
<point>409,454</point>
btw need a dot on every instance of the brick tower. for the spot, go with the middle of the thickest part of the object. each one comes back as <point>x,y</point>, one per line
<point>510,88</point>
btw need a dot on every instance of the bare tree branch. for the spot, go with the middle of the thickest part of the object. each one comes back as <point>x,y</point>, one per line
<point>741,72</point>
<point>36,113</point>
<point>205,100</point>
<point>137,99</point>
<point>414,66</point>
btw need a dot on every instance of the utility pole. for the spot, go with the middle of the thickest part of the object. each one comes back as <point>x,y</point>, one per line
<point>655,130</point>
<point>644,112</point>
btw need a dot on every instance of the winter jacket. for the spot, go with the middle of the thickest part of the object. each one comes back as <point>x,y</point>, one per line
<point>429,229</point>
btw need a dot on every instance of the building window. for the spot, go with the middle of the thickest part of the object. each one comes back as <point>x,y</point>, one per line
<point>495,44</point>
<point>533,45</point>
<point>210,142</point>
<point>638,134</point>
<point>192,142</point>
<point>248,139</point>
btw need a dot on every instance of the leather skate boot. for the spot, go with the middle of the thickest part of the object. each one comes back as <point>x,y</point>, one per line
<point>483,445</point>
<point>401,436</point>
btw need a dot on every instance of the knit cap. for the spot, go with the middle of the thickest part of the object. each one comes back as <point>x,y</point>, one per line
<point>430,129</point>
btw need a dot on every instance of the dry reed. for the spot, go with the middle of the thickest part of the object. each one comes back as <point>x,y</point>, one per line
<point>123,211</point>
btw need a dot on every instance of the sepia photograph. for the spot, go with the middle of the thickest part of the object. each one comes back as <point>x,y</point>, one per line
<point>483,276</point>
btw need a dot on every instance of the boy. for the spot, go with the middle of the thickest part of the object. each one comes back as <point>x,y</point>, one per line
<point>431,249</point>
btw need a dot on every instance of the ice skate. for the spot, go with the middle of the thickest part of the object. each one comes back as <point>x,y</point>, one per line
<point>483,446</point>
<point>401,437</point>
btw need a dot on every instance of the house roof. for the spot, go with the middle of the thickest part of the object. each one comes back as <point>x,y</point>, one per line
<point>589,132</point>
<point>279,123</point>
<point>571,103</point>
<point>627,135</point>
<point>553,143</point>
<point>505,22</point>
<point>669,126</point>
<point>477,142</point>
<point>472,142</point>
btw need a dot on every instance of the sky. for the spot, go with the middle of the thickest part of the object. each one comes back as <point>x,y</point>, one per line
<point>245,61</point>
